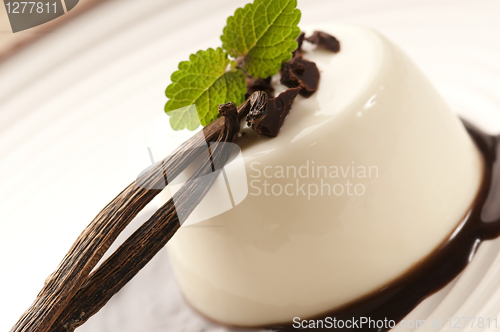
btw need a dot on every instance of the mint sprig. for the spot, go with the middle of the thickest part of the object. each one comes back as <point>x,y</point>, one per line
<point>260,37</point>
<point>203,81</point>
<point>263,35</point>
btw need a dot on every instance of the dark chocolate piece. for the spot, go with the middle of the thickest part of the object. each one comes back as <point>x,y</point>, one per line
<point>277,110</point>
<point>259,84</point>
<point>300,40</point>
<point>302,73</point>
<point>322,39</point>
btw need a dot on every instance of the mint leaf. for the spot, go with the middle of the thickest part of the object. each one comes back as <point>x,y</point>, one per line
<point>263,33</point>
<point>204,82</point>
<point>261,36</point>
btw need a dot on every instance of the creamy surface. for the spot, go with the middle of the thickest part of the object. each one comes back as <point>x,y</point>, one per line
<point>275,257</point>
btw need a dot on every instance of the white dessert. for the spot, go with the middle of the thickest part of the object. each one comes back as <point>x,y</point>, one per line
<point>276,257</point>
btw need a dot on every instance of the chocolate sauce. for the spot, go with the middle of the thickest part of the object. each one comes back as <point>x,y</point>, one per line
<point>401,296</point>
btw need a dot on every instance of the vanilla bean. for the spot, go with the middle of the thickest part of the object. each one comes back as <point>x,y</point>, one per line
<point>96,239</point>
<point>91,245</point>
<point>149,239</point>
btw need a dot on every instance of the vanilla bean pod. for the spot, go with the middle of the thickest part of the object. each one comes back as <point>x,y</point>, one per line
<point>96,239</point>
<point>150,238</point>
<point>91,245</point>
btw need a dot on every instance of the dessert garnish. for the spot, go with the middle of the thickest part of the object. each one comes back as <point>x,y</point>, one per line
<point>152,236</point>
<point>74,292</point>
<point>299,72</point>
<point>259,108</point>
<point>259,84</point>
<point>324,40</point>
<point>277,109</point>
<point>205,80</point>
<point>300,40</point>
<point>302,73</point>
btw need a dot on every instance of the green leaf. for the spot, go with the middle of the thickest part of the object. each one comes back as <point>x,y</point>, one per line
<point>204,82</point>
<point>263,33</point>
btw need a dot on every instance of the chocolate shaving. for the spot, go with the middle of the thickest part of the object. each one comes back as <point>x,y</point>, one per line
<point>259,84</point>
<point>299,40</point>
<point>324,40</point>
<point>302,73</point>
<point>277,110</point>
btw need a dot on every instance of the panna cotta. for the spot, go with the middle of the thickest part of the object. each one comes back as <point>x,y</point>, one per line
<point>366,178</point>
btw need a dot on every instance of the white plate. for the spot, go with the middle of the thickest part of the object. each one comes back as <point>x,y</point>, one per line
<point>68,103</point>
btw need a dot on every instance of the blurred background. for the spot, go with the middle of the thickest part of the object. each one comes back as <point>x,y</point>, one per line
<point>72,90</point>
<point>11,43</point>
